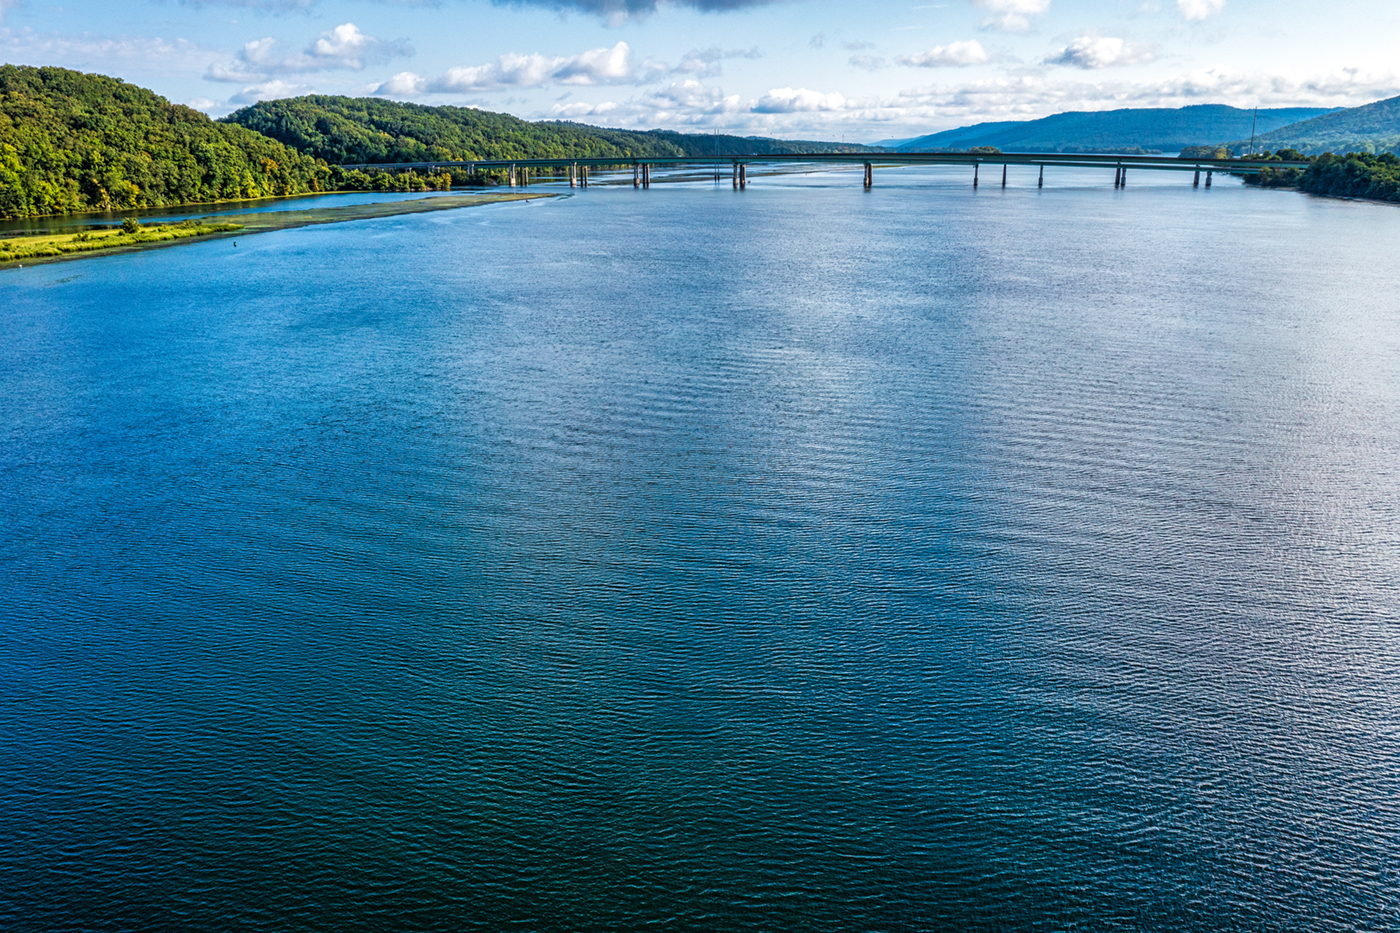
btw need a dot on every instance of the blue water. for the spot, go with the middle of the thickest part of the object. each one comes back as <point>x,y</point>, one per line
<point>800,559</point>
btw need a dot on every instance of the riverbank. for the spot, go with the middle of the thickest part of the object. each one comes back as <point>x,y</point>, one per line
<point>33,250</point>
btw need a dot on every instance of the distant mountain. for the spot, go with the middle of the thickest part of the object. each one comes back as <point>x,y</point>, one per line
<point>356,130</point>
<point>1162,130</point>
<point>1372,128</point>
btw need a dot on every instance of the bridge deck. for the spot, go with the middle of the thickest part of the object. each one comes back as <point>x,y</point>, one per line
<point>1063,159</point>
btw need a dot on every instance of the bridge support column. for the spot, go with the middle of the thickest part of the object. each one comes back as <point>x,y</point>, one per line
<point>646,175</point>
<point>1041,183</point>
<point>583,169</point>
<point>976,166</point>
<point>1125,176</point>
<point>1003,175</point>
<point>869,176</point>
<point>573,169</point>
<point>743,175</point>
<point>636,175</point>
<point>511,174</point>
<point>736,176</point>
<point>524,178</point>
<point>1196,182</point>
<point>1208,174</point>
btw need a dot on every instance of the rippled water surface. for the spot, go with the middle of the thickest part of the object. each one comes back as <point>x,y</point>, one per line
<point>804,559</point>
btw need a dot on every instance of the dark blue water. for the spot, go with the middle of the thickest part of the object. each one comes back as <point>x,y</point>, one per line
<point>804,559</point>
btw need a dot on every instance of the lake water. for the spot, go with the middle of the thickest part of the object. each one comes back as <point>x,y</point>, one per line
<point>794,560</point>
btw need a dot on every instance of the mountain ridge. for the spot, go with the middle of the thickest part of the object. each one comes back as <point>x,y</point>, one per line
<point>1154,128</point>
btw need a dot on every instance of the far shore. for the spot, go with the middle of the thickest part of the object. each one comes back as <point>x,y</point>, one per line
<point>236,225</point>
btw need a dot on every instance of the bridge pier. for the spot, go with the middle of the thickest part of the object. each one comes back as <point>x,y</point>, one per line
<point>736,176</point>
<point>1196,182</point>
<point>1208,174</point>
<point>1125,176</point>
<point>869,176</point>
<point>646,175</point>
<point>511,176</point>
<point>1041,183</point>
<point>1003,174</point>
<point>976,166</point>
<point>524,178</point>
<point>743,175</point>
<point>636,175</point>
<point>573,170</point>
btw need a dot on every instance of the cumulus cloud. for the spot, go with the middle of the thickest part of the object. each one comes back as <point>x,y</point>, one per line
<point>269,90</point>
<point>106,54</point>
<point>403,84</point>
<point>622,10</point>
<point>613,65</point>
<point>605,66</point>
<point>1101,52</point>
<point>344,47</point>
<point>954,54</point>
<point>795,100</point>
<point>274,5</point>
<point>924,109</point>
<point>706,62</point>
<point>1012,15</point>
<point>1199,9</point>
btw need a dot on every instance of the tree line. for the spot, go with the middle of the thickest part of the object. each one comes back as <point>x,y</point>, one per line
<point>1353,175</point>
<point>78,142</point>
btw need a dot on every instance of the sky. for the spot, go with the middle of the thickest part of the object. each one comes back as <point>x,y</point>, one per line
<point>819,69</point>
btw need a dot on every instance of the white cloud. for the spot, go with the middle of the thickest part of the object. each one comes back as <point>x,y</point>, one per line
<point>575,111</point>
<point>1101,52</point>
<point>1014,14</point>
<point>795,100</point>
<point>269,90</point>
<point>403,84</point>
<point>1199,9</point>
<point>596,67</point>
<point>107,54</point>
<point>867,62</point>
<point>956,54</point>
<point>926,109</point>
<point>344,47</point>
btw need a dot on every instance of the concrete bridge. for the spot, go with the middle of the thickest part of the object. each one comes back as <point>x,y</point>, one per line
<point>518,170</point>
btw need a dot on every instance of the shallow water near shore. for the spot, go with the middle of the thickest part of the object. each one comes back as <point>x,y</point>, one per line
<point>795,559</point>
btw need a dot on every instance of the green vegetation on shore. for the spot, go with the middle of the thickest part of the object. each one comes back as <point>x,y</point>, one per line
<point>1354,175</point>
<point>129,234</point>
<point>72,142</point>
<point>132,235</point>
<point>363,130</point>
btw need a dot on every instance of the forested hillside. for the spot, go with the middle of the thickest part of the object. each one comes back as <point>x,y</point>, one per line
<point>1374,128</point>
<point>359,130</point>
<point>77,142</point>
<point>1135,129</point>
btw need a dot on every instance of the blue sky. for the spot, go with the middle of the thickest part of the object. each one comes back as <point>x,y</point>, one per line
<point>792,68</point>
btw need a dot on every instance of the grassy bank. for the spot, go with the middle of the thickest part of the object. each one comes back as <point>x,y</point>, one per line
<point>32,250</point>
<point>56,246</point>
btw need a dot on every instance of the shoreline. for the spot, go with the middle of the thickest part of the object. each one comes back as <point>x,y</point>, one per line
<point>271,221</point>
